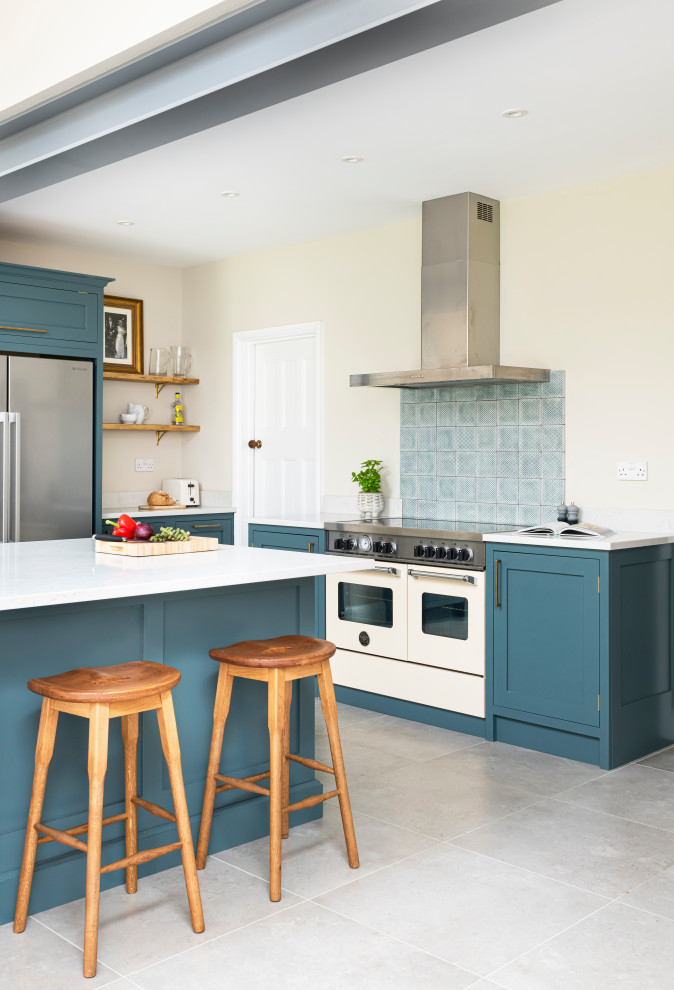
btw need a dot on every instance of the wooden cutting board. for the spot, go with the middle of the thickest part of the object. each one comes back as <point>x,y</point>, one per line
<point>143,548</point>
<point>160,508</point>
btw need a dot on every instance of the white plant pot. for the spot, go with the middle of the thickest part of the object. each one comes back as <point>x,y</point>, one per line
<point>370,504</point>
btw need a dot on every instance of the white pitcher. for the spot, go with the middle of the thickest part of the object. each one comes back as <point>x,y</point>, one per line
<point>139,411</point>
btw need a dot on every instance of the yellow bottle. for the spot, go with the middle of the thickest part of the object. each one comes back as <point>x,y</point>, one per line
<point>177,411</point>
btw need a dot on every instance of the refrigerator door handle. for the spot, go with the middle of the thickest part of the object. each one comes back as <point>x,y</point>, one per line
<point>4,494</point>
<point>15,418</point>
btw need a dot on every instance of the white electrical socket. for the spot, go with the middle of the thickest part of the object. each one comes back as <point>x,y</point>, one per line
<point>144,464</point>
<point>632,470</point>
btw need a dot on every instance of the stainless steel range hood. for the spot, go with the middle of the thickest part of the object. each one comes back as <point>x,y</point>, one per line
<point>460,327</point>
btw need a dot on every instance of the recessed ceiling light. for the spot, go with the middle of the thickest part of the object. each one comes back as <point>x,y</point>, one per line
<point>126,223</point>
<point>230,194</point>
<point>351,159</point>
<point>516,112</point>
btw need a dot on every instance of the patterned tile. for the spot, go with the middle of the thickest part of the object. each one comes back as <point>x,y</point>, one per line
<point>446,462</point>
<point>426,487</point>
<point>486,489</point>
<point>487,464</point>
<point>426,413</point>
<point>447,394</point>
<point>465,438</point>
<point>552,438</point>
<point>466,413</point>
<point>548,513</point>
<point>528,390</point>
<point>426,462</point>
<point>486,512</point>
<point>552,411</point>
<point>555,386</point>
<point>486,438</point>
<point>464,393</point>
<point>552,492</point>
<point>507,438</point>
<point>506,514</point>
<point>427,510</point>
<point>530,492</point>
<point>426,438</point>
<point>508,412</point>
<point>408,395</point>
<point>507,464</point>
<point>507,391</point>
<point>446,488</point>
<point>446,510</point>
<point>552,464</point>
<point>427,395</point>
<point>530,464</point>
<point>410,508</point>
<point>408,415</point>
<point>508,490</point>
<point>530,411</point>
<point>465,489</point>
<point>446,438</point>
<point>486,413</point>
<point>408,439</point>
<point>466,512</point>
<point>466,463</point>
<point>528,515</point>
<point>408,486</point>
<point>446,413</point>
<point>530,437</point>
<point>483,392</point>
<point>408,462</point>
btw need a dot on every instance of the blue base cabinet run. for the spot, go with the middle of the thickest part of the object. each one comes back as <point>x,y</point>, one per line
<point>579,651</point>
<point>300,540</point>
<point>220,526</point>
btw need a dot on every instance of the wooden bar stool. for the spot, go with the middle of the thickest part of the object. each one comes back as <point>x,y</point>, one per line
<point>99,694</point>
<point>279,662</point>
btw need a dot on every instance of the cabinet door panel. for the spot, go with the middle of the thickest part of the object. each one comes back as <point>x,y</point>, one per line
<point>28,312</point>
<point>270,539</point>
<point>546,636</point>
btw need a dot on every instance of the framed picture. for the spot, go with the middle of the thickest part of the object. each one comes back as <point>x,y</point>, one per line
<point>123,335</point>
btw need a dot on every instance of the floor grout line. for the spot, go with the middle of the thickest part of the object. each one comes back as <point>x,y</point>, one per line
<point>117,975</point>
<point>609,814</point>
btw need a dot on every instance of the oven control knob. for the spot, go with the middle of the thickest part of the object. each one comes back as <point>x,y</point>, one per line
<point>338,544</point>
<point>440,553</point>
<point>453,553</point>
<point>378,546</point>
<point>350,545</point>
<point>465,553</point>
<point>419,550</point>
<point>390,547</point>
<point>429,552</point>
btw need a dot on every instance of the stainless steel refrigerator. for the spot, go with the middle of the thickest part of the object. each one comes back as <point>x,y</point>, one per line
<point>46,448</point>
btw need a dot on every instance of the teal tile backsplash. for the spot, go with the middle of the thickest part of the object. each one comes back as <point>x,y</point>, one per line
<point>483,453</point>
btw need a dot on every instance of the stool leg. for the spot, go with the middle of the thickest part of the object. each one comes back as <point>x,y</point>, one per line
<point>130,737</point>
<point>43,754</point>
<point>170,745</point>
<point>223,695</point>
<point>329,706</point>
<point>285,828</point>
<point>276,712</point>
<point>98,761</point>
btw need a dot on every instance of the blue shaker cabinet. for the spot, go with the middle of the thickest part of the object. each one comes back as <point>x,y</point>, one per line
<point>580,650</point>
<point>300,540</point>
<point>220,525</point>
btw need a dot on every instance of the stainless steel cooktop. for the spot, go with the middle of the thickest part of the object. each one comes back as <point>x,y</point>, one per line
<point>422,527</point>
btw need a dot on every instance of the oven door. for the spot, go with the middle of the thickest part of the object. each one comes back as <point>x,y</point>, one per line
<point>446,618</point>
<point>366,611</point>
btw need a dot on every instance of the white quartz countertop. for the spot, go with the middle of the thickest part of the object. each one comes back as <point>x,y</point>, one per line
<point>617,541</point>
<point>58,572</point>
<point>311,520</point>
<point>159,512</point>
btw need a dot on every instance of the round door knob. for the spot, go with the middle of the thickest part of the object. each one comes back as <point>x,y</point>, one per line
<point>253,444</point>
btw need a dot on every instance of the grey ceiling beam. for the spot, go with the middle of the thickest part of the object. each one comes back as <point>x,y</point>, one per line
<point>303,48</point>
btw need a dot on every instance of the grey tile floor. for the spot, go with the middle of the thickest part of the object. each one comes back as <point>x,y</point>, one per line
<point>482,866</point>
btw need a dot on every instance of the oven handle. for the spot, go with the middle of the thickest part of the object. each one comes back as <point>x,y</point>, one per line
<point>386,570</point>
<point>464,578</point>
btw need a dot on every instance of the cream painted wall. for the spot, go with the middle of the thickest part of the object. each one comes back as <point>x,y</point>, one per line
<point>586,286</point>
<point>364,289</point>
<point>160,289</point>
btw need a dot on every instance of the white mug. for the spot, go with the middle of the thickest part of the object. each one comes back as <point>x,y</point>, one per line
<point>139,411</point>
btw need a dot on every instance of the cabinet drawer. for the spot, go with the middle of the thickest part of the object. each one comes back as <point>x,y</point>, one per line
<point>30,312</point>
<point>304,541</point>
<point>221,527</point>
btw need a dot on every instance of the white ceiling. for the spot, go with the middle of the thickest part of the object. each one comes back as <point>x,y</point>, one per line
<point>597,77</point>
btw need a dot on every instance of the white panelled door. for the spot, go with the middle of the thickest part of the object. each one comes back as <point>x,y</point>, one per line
<point>285,422</point>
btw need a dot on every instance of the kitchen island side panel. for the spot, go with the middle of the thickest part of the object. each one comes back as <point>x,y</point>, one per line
<point>177,629</point>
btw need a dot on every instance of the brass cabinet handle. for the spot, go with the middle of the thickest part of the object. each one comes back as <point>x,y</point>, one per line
<point>310,548</point>
<point>497,567</point>
<point>206,526</point>
<point>24,329</point>
<point>254,443</point>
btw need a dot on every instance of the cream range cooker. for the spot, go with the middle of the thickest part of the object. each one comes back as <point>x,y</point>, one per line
<point>414,627</point>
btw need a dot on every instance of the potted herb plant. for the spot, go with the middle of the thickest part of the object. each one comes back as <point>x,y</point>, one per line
<point>370,497</point>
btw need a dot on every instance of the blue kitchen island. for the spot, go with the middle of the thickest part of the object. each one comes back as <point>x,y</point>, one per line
<point>64,606</point>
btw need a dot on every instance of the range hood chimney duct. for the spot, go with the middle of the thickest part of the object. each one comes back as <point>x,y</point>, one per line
<point>460,287</point>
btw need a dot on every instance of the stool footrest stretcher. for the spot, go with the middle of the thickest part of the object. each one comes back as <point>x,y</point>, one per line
<point>312,764</point>
<point>141,857</point>
<point>243,783</point>
<point>310,801</point>
<point>154,809</point>
<point>56,834</point>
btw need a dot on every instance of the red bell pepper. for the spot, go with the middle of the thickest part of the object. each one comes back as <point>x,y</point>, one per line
<point>125,526</point>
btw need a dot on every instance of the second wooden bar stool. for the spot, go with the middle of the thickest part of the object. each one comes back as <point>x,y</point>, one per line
<point>279,662</point>
<point>99,694</point>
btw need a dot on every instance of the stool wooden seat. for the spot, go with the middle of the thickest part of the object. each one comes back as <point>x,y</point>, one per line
<point>279,662</point>
<point>99,694</point>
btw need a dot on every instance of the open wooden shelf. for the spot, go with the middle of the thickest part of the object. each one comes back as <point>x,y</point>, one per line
<point>159,429</point>
<point>159,381</point>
